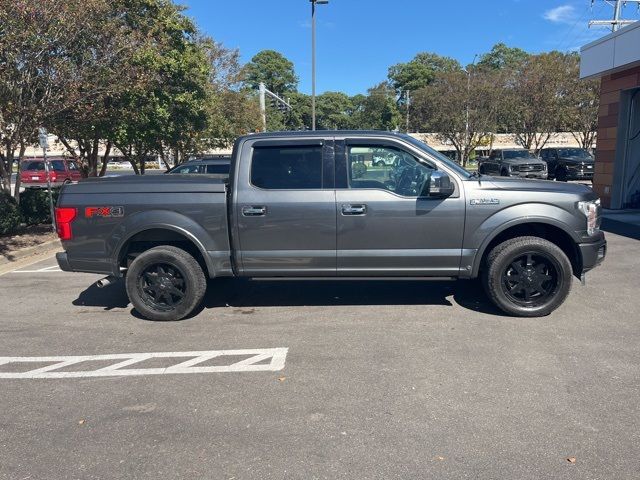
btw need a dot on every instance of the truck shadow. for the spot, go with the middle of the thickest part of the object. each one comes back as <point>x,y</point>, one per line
<point>294,293</point>
<point>271,293</point>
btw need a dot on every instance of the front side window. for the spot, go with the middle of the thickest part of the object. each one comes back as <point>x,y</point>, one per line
<point>386,168</point>
<point>57,165</point>
<point>287,168</point>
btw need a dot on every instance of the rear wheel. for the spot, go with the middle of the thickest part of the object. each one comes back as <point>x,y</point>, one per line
<point>165,283</point>
<point>527,276</point>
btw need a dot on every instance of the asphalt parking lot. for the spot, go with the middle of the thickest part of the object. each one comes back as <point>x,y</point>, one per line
<point>372,380</point>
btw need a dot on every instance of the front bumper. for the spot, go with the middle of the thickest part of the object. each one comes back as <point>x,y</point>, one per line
<point>592,254</point>
<point>579,174</point>
<point>539,175</point>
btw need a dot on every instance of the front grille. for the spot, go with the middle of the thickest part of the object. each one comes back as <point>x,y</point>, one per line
<point>530,167</point>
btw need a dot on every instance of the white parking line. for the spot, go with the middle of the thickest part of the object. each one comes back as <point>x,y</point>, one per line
<point>190,365</point>
<point>51,269</point>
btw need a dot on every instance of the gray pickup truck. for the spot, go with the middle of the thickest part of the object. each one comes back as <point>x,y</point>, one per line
<point>302,205</point>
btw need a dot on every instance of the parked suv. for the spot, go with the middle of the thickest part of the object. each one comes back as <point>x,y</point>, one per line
<point>568,163</point>
<point>513,163</point>
<point>61,171</point>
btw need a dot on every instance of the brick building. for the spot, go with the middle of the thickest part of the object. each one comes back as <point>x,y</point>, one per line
<point>615,59</point>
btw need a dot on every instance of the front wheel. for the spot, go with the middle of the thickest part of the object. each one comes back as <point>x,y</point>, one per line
<point>527,276</point>
<point>165,283</point>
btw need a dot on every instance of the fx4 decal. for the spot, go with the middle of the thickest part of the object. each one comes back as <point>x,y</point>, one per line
<point>91,212</point>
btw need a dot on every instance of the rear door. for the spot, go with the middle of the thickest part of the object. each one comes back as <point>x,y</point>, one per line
<point>284,207</point>
<point>385,228</point>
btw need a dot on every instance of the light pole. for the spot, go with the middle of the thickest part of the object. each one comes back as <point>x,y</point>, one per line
<point>313,59</point>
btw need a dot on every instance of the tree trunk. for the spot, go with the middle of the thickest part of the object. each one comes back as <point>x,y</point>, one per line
<point>105,159</point>
<point>16,192</point>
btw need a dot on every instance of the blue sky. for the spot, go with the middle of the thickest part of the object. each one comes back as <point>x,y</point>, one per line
<point>357,40</point>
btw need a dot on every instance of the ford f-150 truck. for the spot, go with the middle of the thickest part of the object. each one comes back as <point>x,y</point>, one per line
<point>301,205</point>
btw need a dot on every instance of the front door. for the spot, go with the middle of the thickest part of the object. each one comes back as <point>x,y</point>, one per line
<point>285,208</point>
<point>385,226</point>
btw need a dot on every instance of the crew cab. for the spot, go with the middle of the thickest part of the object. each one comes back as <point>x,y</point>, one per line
<point>569,163</point>
<point>513,163</point>
<point>296,204</point>
<point>61,170</point>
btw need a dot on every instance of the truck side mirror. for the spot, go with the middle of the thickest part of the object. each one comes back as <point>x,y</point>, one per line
<point>438,185</point>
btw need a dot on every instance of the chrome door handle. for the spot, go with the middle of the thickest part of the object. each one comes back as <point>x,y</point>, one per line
<point>254,211</point>
<point>354,209</point>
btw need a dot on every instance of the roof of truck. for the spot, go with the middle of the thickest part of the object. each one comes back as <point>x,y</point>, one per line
<point>324,133</point>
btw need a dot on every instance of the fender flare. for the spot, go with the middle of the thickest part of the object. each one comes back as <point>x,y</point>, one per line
<point>544,219</point>
<point>163,220</point>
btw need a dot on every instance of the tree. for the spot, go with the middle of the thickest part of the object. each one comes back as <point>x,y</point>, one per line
<point>460,107</point>
<point>272,69</point>
<point>502,57</point>
<point>54,55</point>
<point>377,110</point>
<point>581,105</point>
<point>534,97</point>
<point>420,71</point>
<point>333,111</point>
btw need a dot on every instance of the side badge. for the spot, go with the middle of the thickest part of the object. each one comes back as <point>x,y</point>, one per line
<point>484,201</point>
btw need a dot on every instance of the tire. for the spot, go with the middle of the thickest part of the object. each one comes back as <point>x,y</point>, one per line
<point>504,173</point>
<point>481,170</point>
<point>165,283</point>
<point>527,276</point>
<point>561,175</point>
<point>380,163</point>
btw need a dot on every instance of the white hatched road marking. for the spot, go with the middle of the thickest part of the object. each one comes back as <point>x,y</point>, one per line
<point>190,365</point>
<point>51,269</point>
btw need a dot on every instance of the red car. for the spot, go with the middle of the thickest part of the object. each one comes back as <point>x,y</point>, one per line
<point>33,175</point>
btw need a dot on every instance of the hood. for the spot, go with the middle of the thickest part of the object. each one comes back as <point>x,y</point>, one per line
<point>515,183</point>
<point>578,160</point>
<point>522,161</point>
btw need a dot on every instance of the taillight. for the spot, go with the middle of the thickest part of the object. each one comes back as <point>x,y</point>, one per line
<point>64,217</point>
<point>53,176</point>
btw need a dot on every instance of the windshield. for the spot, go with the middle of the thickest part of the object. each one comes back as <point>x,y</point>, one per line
<point>517,154</point>
<point>573,152</point>
<point>434,153</point>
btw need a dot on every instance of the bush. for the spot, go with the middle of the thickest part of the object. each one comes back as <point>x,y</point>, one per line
<point>9,214</point>
<point>34,205</point>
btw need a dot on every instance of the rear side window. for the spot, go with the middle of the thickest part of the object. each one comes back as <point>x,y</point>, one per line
<point>287,168</point>
<point>218,169</point>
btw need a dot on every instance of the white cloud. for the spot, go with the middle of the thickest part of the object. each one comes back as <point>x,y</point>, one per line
<point>561,14</point>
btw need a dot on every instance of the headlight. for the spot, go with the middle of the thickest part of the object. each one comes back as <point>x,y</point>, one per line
<point>591,210</point>
<point>544,166</point>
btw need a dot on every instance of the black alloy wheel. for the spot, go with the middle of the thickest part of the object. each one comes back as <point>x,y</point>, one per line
<point>162,286</point>
<point>530,279</point>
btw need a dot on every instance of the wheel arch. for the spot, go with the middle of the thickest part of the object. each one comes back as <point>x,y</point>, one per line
<point>547,228</point>
<point>164,228</point>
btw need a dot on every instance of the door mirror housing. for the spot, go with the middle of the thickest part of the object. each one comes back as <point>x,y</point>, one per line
<point>438,185</point>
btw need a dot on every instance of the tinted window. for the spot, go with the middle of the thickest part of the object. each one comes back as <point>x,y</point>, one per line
<point>517,154</point>
<point>386,168</point>
<point>58,165</point>
<point>218,169</point>
<point>187,169</point>
<point>280,168</point>
<point>574,152</point>
<point>34,166</point>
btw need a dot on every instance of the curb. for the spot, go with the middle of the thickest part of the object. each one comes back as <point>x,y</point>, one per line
<point>26,252</point>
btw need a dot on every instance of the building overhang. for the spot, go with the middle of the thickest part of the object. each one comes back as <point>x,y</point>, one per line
<point>613,53</point>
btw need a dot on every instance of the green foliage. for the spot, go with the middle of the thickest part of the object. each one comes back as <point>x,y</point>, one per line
<point>274,70</point>
<point>9,214</point>
<point>34,205</point>
<point>420,71</point>
<point>333,111</point>
<point>501,57</point>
